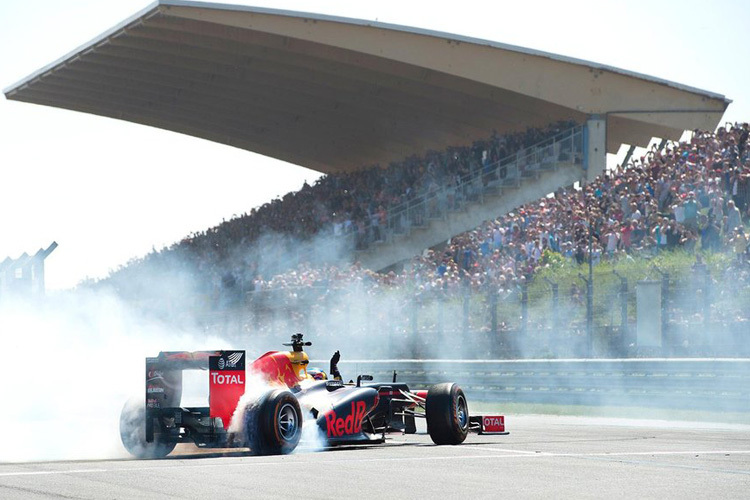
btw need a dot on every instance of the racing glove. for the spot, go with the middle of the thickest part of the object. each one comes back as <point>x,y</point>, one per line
<point>334,371</point>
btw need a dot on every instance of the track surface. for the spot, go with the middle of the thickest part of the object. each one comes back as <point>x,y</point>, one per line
<point>550,457</point>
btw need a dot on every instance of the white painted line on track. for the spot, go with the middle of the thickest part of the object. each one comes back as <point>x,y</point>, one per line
<point>50,472</point>
<point>251,463</point>
<point>504,450</point>
<point>604,453</point>
<point>642,453</point>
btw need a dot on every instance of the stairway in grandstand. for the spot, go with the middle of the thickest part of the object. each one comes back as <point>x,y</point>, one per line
<point>435,216</point>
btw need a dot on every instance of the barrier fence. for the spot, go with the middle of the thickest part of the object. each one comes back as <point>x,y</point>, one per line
<point>695,384</point>
<point>699,318</point>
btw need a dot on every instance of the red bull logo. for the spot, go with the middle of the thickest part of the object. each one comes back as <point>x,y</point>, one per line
<point>351,424</point>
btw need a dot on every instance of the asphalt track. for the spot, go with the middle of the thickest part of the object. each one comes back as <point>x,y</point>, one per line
<point>543,457</point>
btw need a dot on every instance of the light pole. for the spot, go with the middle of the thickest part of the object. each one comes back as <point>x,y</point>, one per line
<point>623,307</point>
<point>589,315</point>
<point>590,281</point>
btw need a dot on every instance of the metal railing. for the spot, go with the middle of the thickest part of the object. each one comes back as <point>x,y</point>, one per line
<point>696,384</point>
<point>433,202</point>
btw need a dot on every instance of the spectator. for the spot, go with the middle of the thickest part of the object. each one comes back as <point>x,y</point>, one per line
<point>666,199</point>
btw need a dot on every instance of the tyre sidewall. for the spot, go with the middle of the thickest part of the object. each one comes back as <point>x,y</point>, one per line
<point>262,432</point>
<point>283,400</point>
<point>443,421</point>
<point>133,432</point>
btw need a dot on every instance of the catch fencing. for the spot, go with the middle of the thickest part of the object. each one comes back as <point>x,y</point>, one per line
<point>688,384</point>
<point>702,315</point>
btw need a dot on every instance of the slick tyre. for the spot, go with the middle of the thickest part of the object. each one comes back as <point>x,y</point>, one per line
<point>273,425</point>
<point>447,414</point>
<point>133,432</point>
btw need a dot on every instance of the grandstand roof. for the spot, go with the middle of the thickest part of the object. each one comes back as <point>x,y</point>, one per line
<point>333,94</point>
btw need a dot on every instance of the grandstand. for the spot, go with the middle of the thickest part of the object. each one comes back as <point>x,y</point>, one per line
<point>434,145</point>
<point>336,95</point>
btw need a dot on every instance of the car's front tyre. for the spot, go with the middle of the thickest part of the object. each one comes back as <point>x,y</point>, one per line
<point>447,414</point>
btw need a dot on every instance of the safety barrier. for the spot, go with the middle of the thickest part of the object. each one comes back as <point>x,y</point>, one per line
<point>700,384</point>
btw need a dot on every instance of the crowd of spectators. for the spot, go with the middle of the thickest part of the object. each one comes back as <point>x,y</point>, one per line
<point>352,202</point>
<point>336,205</point>
<point>691,195</point>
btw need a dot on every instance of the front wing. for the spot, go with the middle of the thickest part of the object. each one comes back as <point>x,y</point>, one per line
<point>488,424</point>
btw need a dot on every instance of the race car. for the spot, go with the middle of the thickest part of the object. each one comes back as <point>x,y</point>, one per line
<point>271,421</point>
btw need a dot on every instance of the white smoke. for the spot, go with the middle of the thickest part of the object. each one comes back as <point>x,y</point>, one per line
<point>313,439</point>
<point>69,364</point>
<point>256,386</point>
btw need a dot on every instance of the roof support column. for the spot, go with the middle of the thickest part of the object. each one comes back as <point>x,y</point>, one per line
<point>595,147</point>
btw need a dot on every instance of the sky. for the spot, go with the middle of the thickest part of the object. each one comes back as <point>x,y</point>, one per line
<point>108,191</point>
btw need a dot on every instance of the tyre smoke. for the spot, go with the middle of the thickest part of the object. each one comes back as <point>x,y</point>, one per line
<point>69,365</point>
<point>312,438</point>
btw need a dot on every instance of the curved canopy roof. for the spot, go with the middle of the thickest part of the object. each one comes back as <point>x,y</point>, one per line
<point>335,94</point>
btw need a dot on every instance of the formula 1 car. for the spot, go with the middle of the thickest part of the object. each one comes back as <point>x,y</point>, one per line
<point>271,421</point>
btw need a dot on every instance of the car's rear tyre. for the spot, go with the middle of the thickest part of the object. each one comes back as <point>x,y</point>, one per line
<point>273,425</point>
<point>447,414</point>
<point>133,432</point>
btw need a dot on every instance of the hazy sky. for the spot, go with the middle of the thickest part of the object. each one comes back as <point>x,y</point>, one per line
<point>108,191</point>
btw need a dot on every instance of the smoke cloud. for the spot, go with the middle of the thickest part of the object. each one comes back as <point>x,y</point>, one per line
<point>69,365</point>
<point>72,361</point>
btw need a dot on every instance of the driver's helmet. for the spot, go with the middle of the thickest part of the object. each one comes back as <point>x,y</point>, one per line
<point>316,374</point>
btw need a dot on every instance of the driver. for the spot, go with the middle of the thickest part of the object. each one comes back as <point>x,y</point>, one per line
<point>298,344</point>
<point>318,374</point>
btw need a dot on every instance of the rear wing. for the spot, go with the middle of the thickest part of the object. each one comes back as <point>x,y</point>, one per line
<point>164,376</point>
<point>183,360</point>
<point>164,381</point>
